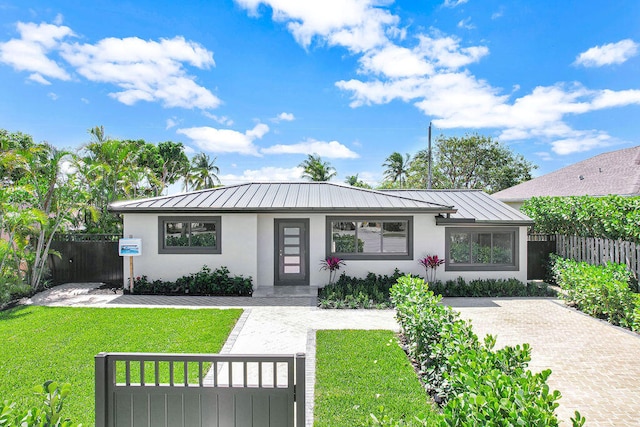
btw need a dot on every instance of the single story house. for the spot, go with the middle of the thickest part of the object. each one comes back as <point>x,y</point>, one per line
<point>278,233</point>
<point>615,172</point>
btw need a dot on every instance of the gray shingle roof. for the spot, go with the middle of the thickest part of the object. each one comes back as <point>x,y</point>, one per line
<point>473,205</point>
<point>616,172</point>
<point>284,196</point>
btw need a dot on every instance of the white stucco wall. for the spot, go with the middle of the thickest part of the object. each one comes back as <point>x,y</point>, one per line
<point>248,249</point>
<point>239,248</point>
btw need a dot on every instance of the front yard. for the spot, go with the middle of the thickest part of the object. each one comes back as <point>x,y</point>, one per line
<point>59,343</point>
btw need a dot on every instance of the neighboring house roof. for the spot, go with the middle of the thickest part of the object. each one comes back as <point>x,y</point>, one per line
<point>616,172</point>
<point>472,205</point>
<point>281,197</point>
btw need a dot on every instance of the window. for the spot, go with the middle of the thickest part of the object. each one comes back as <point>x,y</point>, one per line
<point>481,249</point>
<point>370,237</point>
<point>189,234</point>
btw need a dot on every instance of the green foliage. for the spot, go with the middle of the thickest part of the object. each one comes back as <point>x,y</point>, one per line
<point>346,244</point>
<point>372,291</point>
<point>601,291</point>
<point>471,161</point>
<point>48,415</point>
<point>205,282</point>
<point>357,372</point>
<point>61,342</point>
<point>314,169</point>
<point>611,217</point>
<point>475,384</point>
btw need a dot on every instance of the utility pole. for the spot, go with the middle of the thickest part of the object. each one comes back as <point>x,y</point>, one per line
<point>429,179</point>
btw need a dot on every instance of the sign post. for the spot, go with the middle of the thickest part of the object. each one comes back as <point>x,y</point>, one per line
<point>130,247</point>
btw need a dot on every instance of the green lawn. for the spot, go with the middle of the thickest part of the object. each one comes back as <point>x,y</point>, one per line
<point>357,372</point>
<point>59,343</point>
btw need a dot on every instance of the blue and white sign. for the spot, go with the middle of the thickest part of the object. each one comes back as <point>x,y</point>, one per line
<point>130,247</point>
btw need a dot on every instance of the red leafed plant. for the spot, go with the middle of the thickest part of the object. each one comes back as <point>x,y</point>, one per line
<point>430,264</point>
<point>331,263</point>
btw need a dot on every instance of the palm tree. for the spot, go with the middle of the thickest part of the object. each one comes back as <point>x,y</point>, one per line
<point>396,168</point>
<point>317,170</point>
<point>204,172</point>
<point>354,181</point>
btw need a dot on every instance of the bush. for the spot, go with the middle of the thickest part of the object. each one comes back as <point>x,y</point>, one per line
<point>205,282</point>
<point>48,415</point>
<point>475,384</point>
<point>604,292</point>
<point>373,290</point>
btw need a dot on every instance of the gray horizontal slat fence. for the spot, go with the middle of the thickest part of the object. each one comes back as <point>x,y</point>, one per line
<point>142,389</point>
<point>599,251</point>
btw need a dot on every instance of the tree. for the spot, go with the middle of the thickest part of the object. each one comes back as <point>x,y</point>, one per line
<point>353,181</point>
<point>478,162</point>
<point>47,199</point>
<point>396,168</point>
<point>204,172</point>
<point>317,170</point>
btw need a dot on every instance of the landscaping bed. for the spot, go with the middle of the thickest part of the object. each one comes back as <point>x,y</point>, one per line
<point>373,290</point>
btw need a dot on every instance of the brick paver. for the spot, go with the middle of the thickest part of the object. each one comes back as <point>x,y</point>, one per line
<point>596,366</point>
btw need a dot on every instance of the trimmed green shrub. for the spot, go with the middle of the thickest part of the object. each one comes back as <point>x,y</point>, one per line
<point>611,217</point>
<point>48,415</point>
<point>205,282</point>
<point>604,292</point>
<point>373,290</point>
<point>475,384</point>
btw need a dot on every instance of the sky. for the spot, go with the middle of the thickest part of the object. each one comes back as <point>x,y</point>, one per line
<point>260,84</point>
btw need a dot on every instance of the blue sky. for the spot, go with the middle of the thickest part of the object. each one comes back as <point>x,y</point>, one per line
<point>260,84</point>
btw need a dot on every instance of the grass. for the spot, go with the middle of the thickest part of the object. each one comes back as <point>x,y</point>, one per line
<point>59,343</point>
<point>357,372</point>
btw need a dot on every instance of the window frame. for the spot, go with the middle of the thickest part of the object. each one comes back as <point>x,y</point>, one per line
<point>162,249</point>
<point>408,255</point>
<point>514,266</point>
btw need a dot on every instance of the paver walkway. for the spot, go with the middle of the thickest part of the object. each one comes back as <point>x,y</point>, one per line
<point>595,366</point>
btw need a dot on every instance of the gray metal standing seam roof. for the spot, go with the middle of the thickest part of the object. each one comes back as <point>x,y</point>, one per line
<point>470,204</point>
<point>283,196</point>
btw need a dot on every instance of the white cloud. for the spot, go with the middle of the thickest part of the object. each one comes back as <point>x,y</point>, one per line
<point>226,140</point>
<point>608,54</point>
<point>53,96</point>
<point>284,117</point>
<point>332,149</point>
<point>355,24</point>
<point>581,141</point>
<point>454,3</point>
<point>446,52</point>
<point>84,100</point>
<point>171,123</point>
<point>37,77</point>
<point>152,71</point>
<point>29,52</point>
<point>223,120</point>
<point>466,24</point>
<point>145,70</point>
<point>544,156</point>
<point>395,61</point>
<point>265,174</point>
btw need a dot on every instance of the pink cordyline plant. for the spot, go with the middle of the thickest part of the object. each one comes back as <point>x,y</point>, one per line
<point>430,264</point>
<point>331,263</point>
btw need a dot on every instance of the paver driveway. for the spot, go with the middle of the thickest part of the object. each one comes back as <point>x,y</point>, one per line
<point>595,366</point>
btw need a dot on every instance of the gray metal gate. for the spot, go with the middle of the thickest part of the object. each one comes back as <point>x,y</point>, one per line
<point>143,389</point>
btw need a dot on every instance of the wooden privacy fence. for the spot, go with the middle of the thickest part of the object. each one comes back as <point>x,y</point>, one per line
<point>143,389</point>
<point>599,251</point>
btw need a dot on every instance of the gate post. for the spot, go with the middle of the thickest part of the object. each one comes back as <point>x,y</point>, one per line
<point>300,392</point>
<point>101,389</point>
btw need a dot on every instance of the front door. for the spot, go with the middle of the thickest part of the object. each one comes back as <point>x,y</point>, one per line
<point>291,252</point>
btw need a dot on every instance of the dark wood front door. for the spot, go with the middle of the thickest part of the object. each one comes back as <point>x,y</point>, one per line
<point>291,252</point>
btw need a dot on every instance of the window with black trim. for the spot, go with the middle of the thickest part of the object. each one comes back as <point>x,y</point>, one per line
<point>370,237</point>
<point>189,234</point>
<point>481,249</point>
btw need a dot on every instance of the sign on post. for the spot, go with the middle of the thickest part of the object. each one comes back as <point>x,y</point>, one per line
<point>130,247</point>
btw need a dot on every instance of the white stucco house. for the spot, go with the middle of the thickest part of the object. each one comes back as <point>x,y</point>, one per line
<point>278,233</point>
